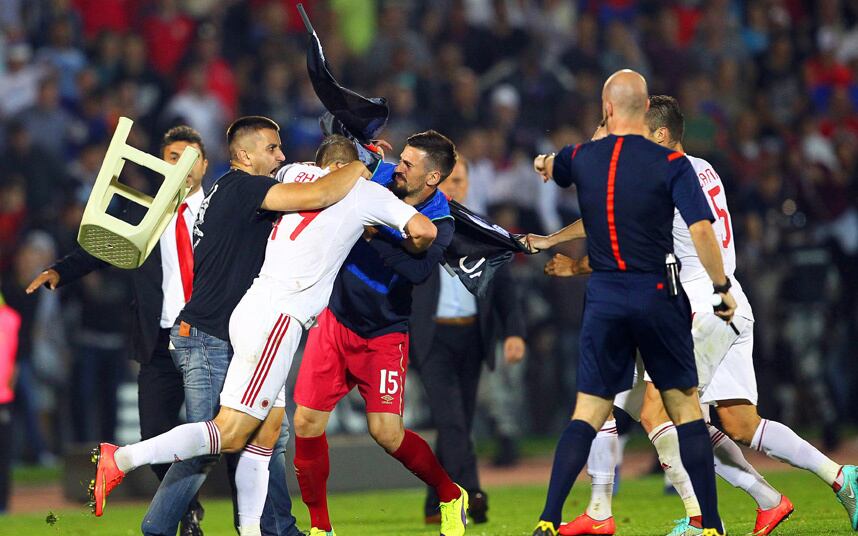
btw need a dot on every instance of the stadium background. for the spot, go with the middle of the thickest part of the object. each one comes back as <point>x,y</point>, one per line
<point>768,88</point>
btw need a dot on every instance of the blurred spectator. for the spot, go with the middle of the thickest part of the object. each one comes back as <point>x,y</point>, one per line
<point>19,83</point>
<point>64,56</point>
<point>168,33</point>
<point>10,323</point>
<point>48,116</point>
<point>197,106</point>
<point>41,364</point>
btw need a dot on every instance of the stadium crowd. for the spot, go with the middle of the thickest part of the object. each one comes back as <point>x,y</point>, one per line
<point>769,89</point>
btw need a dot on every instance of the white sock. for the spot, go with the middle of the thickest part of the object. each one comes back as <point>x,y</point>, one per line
<point>781,443</point>
<point>181,443</point>
<point>251,484</point>
<point>666,443</point>
<point>600,466</point>
<point>731,465</point>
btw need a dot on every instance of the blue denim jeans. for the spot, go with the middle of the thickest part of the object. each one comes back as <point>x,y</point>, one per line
<point>203,361</point>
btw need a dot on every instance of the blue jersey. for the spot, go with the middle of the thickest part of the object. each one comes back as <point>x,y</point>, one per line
<point>372,292</point>
<point>628,187</point>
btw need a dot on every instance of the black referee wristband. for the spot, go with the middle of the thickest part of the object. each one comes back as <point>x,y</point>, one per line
<point>722,289</point>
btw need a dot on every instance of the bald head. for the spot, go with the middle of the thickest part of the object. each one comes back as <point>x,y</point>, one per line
<point>625,96</point>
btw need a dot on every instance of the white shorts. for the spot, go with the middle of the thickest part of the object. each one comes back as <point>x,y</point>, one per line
<point>725,364</point>
<point>725,361</point>
<point>264,342</point>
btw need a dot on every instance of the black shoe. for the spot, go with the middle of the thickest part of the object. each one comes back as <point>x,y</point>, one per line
<point>190,524</point>
<point>507,455</point>
<point>478,506</point>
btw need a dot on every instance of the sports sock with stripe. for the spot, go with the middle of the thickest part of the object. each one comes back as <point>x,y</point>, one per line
<point>251,485</point>
<point>664,439</point>
<point>312,468</point>
<point>571,454</point>
<point>695,450</point>
<point>731,465</point>
<point>181,443</point>
<point>778,441</point>
<point>601,465</point>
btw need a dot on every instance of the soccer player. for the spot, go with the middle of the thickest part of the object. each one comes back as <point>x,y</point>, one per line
<point>231,234</point>
<point>725,363</point>
<point>303,255</point>
<point>362,340</point>
<point>629,188</point>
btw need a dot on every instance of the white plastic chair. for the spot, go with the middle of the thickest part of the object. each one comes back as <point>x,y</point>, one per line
<point>116,241</point>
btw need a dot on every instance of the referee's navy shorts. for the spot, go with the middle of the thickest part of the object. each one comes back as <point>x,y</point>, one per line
<point>625,312</point>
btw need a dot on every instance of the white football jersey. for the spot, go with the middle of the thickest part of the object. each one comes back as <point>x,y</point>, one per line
<point>693,275</point>
<point>306,249</point>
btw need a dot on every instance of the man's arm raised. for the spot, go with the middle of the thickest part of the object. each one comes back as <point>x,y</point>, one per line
<point>322,193</point>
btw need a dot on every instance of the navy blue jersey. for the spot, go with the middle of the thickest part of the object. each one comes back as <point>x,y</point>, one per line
<point>372,292</point>
<point>628,187</point>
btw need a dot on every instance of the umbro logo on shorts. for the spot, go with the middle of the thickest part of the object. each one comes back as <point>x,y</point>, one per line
<point>387,399</point>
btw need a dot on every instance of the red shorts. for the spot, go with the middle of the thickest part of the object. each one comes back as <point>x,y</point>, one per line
<point>336,359</point>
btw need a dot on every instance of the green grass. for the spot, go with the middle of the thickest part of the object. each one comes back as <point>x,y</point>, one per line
<point>641,509</point>
<point>29,475</point>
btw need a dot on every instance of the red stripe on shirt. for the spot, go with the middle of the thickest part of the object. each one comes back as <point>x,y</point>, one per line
<point>673,156</point>
<point>612,228</point>
<point>575,151</point>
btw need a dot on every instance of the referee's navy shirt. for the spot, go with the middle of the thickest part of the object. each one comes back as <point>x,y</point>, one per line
<point>627,188</point>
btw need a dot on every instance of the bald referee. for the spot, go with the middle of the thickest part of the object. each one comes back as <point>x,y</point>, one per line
<point>628,188</point>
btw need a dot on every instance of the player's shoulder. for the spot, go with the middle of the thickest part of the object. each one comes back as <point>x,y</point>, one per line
<point>299,172</point>
<point>699,164</point>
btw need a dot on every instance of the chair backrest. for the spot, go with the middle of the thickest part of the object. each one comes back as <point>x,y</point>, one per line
<point>118,242</point>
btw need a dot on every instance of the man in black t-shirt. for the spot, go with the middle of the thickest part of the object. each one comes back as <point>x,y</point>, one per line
<point>230,236</point>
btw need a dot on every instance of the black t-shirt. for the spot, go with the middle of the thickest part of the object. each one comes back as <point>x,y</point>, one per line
<point>230,236</point>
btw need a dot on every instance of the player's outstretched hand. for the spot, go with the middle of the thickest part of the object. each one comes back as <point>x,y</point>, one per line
<point>728,307</point>
<point>536,243</point>
<point>49,276</point>
<point>513,349</point>
<point>544,165</point>
<point>563,266</point>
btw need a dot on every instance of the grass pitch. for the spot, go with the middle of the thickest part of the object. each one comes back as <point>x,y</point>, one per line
<point>640,509</point>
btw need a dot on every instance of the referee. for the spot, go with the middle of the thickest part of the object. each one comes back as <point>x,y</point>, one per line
<point>628,189</point>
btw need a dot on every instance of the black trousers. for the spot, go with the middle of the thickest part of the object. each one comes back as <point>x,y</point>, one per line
<point>450,375</point>
<point>5,455</point>
<point>160,393</point>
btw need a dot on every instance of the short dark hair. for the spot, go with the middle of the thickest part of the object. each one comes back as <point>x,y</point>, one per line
<point>664,112</point>
<point>183,133</point>
<point>440,151</point>
<point>246,125</point>
<point>336,148</point>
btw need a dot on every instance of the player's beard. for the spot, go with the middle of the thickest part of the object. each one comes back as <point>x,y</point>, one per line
<point>399,187</point>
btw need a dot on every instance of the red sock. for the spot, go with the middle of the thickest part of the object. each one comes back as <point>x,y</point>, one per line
<point>696,522</point>
<point>312,469</point>
<point>838,481</point>
<point>416,455</point>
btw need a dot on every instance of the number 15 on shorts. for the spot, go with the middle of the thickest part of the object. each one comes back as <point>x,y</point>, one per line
<point>389,382</point>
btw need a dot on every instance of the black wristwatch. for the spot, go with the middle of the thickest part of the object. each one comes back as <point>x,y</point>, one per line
<point>722,289</point>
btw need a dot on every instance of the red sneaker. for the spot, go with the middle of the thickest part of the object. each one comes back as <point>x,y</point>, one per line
<point>107,477</point>
<point>768,520</point>
<point>585,524</point>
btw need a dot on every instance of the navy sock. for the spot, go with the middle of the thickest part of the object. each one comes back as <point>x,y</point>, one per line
<point>695,450</point>
<point>573,448</point>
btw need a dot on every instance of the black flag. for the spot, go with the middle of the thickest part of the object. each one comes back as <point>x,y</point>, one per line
<point>479,248</point>
<point>349,114</point>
